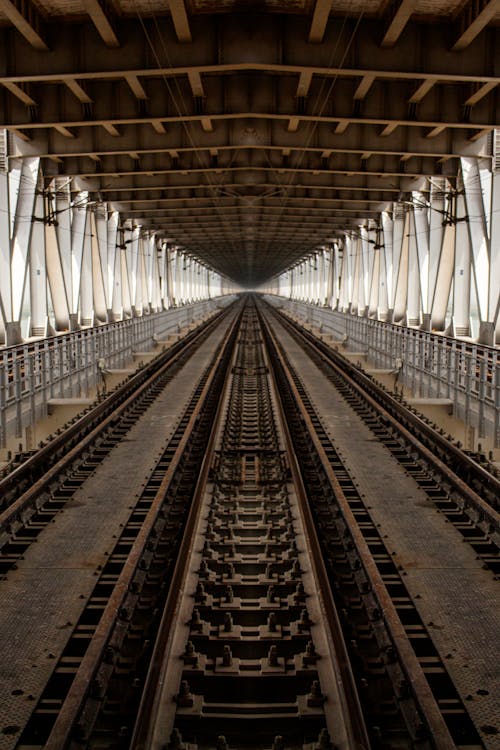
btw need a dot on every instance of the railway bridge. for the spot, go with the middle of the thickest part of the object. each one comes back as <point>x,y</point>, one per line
<point>249,375</point>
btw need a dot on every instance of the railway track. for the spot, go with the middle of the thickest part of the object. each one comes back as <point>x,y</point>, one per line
<point>135,576</point>
<point>255,657</point>
<point>61,450</point>
<point>34,492</point>
<point>389,637</point>
<point>463,490</point>
<point>250,600</point>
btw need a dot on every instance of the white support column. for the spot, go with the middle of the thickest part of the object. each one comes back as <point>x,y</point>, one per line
<point>86,286</point>
<point>462,276</point>
<point>367,255</point>
<point>444,277</point>
<point>156,301</point>
<point>345,295</point>
<point>5,279</point>
<point>398,231</point>
<point>61,251</point>
<point>358,285</point>
<point>56,279</point>
<point>374,284</point>
<point>21,236</point>
<point>401,257</point>
<point>421,221</point>
<point>101,263</point>
<point>117,294</point>
<point>438,206</point>
<point>38,274</point>
<point>79,227</point>
<point>494,292</point>
<point>338,255</point>
<point>112,264</point>
<point>141,292</point>
<point>413,303</point>
<point>478,207</point>
<point>98,243</point>
<point>125,276</point>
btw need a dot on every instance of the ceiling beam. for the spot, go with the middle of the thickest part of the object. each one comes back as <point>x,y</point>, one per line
<point>473,19</point>
<point>24,15</point>
<point>114,74</point>
<point>136,87</point>
<point>305,212</point>
<point>363,87</point>
<point>196,84</point>
<point>401,11</point>
<point>20,93</point>
<point>135,189</point>
<point>158,127</point>
<point>272,148</point>
<point>340,122</point>
<point>480,92</point>
<point>101,18</point>
<point>304,83</point>
<point>319,21</point>
<point>422,90</point>
<point>349,171</point>
<point>180,20</point>
<point>78,91</point>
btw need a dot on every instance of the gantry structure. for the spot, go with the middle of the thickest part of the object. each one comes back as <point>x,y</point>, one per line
<point>346,150</point>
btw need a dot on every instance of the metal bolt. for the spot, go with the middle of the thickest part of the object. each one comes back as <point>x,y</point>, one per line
<point>315,697</point>
<point>304,618</point>
<point>272,623</point>
<point>200,592</point>
<point>184,697</point>
<point>227,657</point>
<point>196,619</point>
<point>272,657</point>
<point>310,650</point>
<point>203,571</point>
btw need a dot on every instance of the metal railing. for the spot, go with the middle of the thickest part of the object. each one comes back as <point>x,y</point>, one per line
<point>432,365</point>
<point>69,365</point>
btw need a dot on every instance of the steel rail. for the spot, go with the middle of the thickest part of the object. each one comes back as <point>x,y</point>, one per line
<point>63,727</point>
<point>431,714</point>
<point>351,707</point>
<point>395,413</point>
<point>150,708</point>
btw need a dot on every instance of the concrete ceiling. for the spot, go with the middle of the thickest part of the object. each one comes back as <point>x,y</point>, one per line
<point>250,132</point>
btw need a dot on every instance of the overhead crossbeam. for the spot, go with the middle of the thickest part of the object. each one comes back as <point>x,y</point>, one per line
<point>473,19</point>
<point>319,21</point>
<point>27,20</point>
<point>363,87</point>
<point>101,18</point>
<point>422,90</point>
<point>277,69</point>
<point>180,20</point>
<point>136,87</point>
<point>78,91</point>
<point>401,11</point>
